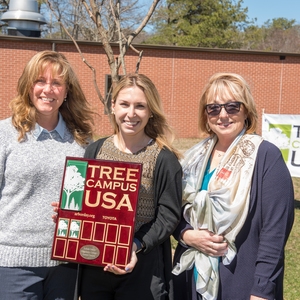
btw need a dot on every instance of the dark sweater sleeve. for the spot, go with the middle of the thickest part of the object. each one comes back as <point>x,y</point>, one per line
<point>92,150</point>
<point>168,193</point>
<point>275,202</point>
<point>182,226</point>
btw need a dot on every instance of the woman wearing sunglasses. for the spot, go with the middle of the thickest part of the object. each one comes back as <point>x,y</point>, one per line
<point>237,203</point>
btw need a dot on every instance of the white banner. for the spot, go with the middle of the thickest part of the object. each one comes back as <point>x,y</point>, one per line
<point>284,132</point>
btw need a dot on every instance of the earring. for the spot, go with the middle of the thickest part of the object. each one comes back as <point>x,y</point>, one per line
<point>151,116</point>
<point>207,127</point>
<point>65,100</point>
<point>112,112</point>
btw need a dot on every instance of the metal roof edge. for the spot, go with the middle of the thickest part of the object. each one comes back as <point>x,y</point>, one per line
<point>148,46</point>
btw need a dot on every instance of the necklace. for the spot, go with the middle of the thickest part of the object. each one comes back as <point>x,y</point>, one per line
<point>219,153</point>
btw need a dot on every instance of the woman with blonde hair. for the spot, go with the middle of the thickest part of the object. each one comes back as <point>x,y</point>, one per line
<point>141,134</point>
<point>74,108</point>
<point>238,203</point>
<point>51,119</point>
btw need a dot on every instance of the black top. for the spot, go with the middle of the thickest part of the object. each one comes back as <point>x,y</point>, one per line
<point>168,201</point>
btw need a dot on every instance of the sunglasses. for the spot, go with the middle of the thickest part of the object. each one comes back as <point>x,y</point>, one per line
<point>230,107</point>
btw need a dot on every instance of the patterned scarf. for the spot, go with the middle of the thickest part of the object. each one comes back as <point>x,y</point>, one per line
<point>221,209</point>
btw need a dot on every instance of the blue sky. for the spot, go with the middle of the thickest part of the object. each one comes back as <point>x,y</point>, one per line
<point>270,9</point>
<point>265,10</point>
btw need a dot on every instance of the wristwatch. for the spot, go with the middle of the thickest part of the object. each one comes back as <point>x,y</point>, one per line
<point>140,245</point>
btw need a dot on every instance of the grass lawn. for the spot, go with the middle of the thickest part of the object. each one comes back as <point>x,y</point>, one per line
<point>292,254</point>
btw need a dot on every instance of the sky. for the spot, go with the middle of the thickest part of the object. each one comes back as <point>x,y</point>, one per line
<point>264,10</point>
<point>270,9</point>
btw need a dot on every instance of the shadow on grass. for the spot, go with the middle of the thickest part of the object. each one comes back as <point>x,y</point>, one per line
<point>297,204</point>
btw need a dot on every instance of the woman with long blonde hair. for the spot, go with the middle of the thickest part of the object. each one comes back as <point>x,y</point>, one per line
<point>51,119</point>
<point>141,134</point>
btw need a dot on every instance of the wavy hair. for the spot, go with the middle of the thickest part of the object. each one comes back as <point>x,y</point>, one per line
<point>75,110</point>
<point>228,86</point>
<point>157,127</point>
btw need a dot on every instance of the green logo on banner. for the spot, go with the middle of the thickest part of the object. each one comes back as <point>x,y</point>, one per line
<point>281,134</point>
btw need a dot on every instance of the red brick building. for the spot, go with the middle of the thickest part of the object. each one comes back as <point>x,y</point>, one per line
<point>179,74</point>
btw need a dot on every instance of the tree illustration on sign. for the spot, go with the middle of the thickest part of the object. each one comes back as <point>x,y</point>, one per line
<point>74,182</point>
<point>62,227</point>
<point>74,229</point>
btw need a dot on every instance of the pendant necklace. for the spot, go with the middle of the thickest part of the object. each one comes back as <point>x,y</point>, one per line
<point>219,154</point>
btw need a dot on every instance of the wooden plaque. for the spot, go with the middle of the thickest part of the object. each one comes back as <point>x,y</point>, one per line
<point>96,215</point>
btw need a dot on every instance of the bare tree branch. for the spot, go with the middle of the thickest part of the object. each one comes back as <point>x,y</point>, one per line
<point>108,14</point>
<point>105,42</point>
<point>144,22</point>
<point>116,16</point>
<point>139,29</point>
<point>139,62</point>
<point>82,57</point>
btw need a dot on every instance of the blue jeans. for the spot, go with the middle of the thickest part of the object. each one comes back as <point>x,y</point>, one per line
<point>40,283</point>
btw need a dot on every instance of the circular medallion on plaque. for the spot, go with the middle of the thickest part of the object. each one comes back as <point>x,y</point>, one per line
<point>89,252</point>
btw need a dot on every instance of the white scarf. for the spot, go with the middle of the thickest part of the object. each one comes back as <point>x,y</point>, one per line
<point>222,209</point>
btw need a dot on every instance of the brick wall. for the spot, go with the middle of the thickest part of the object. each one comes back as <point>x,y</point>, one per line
<point>179,74</point>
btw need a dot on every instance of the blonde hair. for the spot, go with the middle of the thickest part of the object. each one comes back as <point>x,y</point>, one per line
<point>228,85</point>
<point>157,127</point>
<point>75,111</point>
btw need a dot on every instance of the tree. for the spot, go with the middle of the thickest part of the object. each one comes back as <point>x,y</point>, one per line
<point>73,182</point>
<point>80,25</point>
<point>278,34</point>
<point>75,19</point>
<point>111,24</point>
<point>3,8</point>
<point>200,23</point>
<point>4,5</point>
<point>281,35</point>
<point>251,37</point>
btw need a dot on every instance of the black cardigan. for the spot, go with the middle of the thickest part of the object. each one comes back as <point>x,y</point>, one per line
<point>258,266</point>
<point>168,200</point>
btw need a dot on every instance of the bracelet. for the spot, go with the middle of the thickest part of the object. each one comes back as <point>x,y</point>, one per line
<point>182,242</point>
<point>140,245</point>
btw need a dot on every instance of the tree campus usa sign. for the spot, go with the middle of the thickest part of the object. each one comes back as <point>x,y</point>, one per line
<point>284,132</point>
<point>97,209</point>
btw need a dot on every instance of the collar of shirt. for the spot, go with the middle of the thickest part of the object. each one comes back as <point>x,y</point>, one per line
<point>60,128</point>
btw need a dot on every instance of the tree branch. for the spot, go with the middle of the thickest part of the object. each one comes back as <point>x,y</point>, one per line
<point>94,10</point>
<point>116,16</point>
<point>137,31</point>
<point>81,55</point>
<point>144,22</point>
<point>104,39</point>
<point>139,62</point>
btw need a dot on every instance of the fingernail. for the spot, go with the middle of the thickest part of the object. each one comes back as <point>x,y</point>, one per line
<point>127,269</point>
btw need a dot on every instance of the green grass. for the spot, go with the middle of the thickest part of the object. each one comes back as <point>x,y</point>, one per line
<point>292,252</point>
<point>292,249</point>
